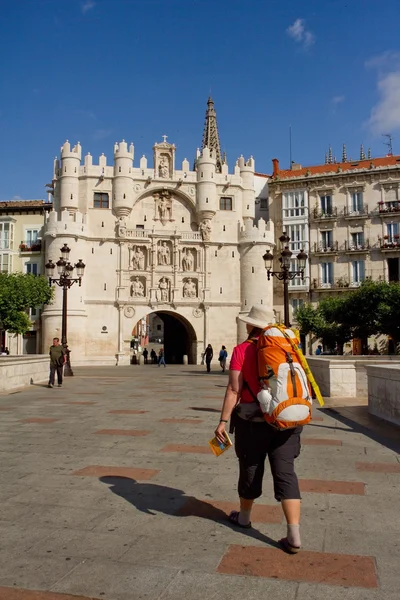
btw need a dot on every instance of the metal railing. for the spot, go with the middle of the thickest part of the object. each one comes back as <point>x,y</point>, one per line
<point>319,214</point>
<point>352,247</point>
<point>325,248</point>
<point>351,213</point>
<point>389,207</point>
<point>29,246</point>
<point>389,242</point>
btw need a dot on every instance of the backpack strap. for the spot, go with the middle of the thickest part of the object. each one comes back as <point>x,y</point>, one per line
<point>304,364</point>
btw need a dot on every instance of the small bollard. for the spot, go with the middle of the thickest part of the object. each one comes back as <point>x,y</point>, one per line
<point>185,359</point>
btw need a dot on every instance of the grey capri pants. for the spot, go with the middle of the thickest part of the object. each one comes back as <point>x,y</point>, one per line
<point>254,441</point>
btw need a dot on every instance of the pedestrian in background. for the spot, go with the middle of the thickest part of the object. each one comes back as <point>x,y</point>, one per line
<point>223,355</point>
<point>145,355</point>
<point>209,353</point>
<point>161,358</point>
<point>57,360</point>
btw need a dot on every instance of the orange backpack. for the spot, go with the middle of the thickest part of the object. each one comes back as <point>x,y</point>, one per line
<point>285,397</point>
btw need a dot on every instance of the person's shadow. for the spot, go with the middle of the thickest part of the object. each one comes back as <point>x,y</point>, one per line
<point>151,498</point>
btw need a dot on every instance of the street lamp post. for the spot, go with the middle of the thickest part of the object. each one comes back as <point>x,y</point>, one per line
<point>285,274</point>
<point>65,281</point>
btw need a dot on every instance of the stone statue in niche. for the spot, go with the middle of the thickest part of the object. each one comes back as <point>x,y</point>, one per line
<point>187,260</point>
<point>163,206</point>
<point>137,288</point>
<point>121,227</point>
<point>163,290</point>
<point>164,254</point>
<point>189,289</point>
<point>163,167</point>
<point>205,230</point>
<point>138,258</point>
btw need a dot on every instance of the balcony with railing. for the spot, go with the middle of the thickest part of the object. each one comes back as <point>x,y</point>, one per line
<point>30,246</point>
<point>352,248</point>
<point>350,213</point>
<point>388,209</point>
<point>341,284</point>
<point>324,248</point>
<point>389,243</point>
<point>147,233</point>
<point>324,215</point>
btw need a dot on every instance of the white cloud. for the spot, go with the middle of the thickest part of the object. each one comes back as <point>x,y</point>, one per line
<point>101,134</point>
<point>16,198</point>
<point>385,115</point>
<point>300,34</point>
<point>87,5</point>
<point>337,100</point>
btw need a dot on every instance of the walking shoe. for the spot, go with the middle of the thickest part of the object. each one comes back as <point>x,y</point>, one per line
<point>50,385</point>
<point>60,385</point>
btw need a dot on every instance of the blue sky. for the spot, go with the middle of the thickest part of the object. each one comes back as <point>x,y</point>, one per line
<point>98,71</point>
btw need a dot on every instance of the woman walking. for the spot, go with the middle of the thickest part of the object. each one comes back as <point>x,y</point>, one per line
<point>209,353</point>
<point>255,439</point>
<point>223,355</point>
<point>161,358</point>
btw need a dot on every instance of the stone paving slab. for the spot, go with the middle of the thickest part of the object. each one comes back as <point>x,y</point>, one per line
<point>114,516</point>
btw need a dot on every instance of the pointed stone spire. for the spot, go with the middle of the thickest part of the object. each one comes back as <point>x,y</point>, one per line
<point>210,134</point>
<point>369,153</point>
<point>326,158</point>
<point>330,156</point>
<point>362,153</point>
<point>344,153</point>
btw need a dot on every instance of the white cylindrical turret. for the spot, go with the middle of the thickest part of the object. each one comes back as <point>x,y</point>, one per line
<point>206,182</point>
<point>248,198</point>
<point>123,179</point>
<point>69,176</point>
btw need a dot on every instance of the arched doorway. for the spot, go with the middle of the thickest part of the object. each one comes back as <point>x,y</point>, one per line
<point>177,335</point>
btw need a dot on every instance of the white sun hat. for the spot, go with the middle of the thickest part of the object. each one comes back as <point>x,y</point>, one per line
<point>259,316</point>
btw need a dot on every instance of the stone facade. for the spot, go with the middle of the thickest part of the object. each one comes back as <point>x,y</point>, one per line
<point>346,216</point>
<point>21,233</point>
<point>182,243</point>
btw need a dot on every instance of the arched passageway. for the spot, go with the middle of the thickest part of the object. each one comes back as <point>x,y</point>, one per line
<point>177,335</point>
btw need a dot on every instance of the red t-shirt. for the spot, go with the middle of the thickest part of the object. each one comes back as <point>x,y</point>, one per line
<point>244,359</point>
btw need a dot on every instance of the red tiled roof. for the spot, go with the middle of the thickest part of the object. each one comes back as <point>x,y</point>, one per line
<point>384,161</point>
<point>262,175</point>
<point>22,203</point>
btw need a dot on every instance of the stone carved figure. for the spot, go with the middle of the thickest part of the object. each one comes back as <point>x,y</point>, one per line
<point>163,290</point>
<point>205,230</point>
<point>121,227</point>
<point>164,254</point>
<point>163,167</point>
<point>163,206</point>
<point>189,289</point>
<point>137,289</point>
<point>138,258</point>
<point>187,260</point>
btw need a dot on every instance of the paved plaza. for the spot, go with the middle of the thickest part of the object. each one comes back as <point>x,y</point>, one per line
<point>108,490</point>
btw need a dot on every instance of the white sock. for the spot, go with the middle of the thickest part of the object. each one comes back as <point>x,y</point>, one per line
<point>244,517</point>
<point>293,535</point>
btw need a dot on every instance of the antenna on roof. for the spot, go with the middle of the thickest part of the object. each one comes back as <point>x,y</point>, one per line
<point>389,142</point>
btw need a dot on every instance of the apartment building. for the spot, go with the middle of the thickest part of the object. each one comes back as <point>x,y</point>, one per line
<point>21,230</point>
<point>346,216</point>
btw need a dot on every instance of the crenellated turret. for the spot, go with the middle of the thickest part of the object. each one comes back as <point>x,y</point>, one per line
<point>247,174</point>
<point>123,179</point>
<point>69,176</point>
<point>206,182</point>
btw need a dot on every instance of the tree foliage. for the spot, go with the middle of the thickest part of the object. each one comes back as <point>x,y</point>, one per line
<point>18,293</point>
<point>371,309</point>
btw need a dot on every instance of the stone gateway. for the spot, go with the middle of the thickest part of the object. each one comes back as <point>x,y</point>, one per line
<point>161,238</point>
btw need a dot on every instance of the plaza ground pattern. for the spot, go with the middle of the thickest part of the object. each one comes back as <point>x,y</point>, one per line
<point>109,491</point>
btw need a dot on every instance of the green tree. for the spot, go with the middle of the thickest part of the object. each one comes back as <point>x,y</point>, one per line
<point>18,293</point>
<point>324,323</point>
<point>388,311</point>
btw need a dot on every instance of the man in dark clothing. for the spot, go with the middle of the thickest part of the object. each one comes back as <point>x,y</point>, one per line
<point>57,360</point>
<point>209,353</point>
<point>145,355</point>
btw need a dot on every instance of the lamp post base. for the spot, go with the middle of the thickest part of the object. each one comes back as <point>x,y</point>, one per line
<point>67,367</point>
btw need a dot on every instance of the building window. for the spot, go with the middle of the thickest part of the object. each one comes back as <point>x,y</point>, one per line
<point>32,268</point>
<point>264,204</point>
<point>100,200</point>
<point>298,237</point>
<point>297,281</point>
<point>326,204</point>
<point>6,236</point>
<point>392,230</point>
<point>357,239</point>
<point>358,271</point>
<point>327,239</point>
<point>356,202</point>
<point>225,203</point>
<point>294,204</point>
<point>327,273</point>
<point>31,237</point>
<point>296,304</point>
<point>5,263</point>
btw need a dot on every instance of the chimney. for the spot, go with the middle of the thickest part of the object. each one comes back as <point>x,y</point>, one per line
<point>275,163</point>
